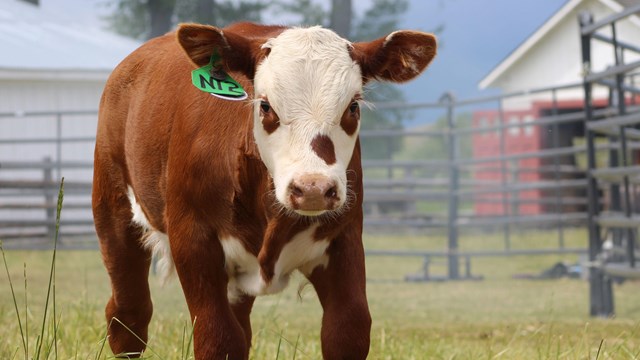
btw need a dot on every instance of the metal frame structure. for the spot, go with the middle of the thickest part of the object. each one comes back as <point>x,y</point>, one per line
<point>454,190</point>
<point>31,188</point>
<point>612,253</point>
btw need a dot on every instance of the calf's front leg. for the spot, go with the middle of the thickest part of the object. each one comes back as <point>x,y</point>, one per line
<point>199,261</point>
<point>341,288</point>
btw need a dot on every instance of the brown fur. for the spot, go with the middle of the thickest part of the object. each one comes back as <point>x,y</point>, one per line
<point>349,121</point>
<point>194,167</point>
<point>323,147</point>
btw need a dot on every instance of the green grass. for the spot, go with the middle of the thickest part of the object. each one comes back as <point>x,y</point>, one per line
<point>58,313</point>
<point>495,318</point>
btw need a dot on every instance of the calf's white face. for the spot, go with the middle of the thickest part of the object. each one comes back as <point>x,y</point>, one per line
<point>307,85</point>
<point>307,116</point>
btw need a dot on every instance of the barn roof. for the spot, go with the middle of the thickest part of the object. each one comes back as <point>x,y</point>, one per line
<point>36,43</point>
<point>490,79</point>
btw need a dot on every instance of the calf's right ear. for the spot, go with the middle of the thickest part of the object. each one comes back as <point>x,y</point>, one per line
<point>398,57</point>
<point>237,53</point>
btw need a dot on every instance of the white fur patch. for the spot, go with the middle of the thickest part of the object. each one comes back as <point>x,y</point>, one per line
<point>155,241</point>
<point>302,253</point>
<point>309,79</point>
<point>388,38</point>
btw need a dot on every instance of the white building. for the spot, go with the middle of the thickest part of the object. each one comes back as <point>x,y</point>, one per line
<point>552,55</point>
<point>50,66</point>
<point>51,63</point>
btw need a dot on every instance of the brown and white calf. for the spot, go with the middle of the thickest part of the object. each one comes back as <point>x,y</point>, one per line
<point>236,195</point>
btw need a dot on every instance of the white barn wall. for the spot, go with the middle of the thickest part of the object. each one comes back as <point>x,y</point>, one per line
<point>21,97</point>
<point>556,58</point>
<point>50,62</point>
<point>43,95</point>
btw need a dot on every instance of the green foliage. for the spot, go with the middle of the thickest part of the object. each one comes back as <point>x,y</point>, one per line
<point>49,331</point>
<point>222,13</point>
<point>436,147</point>
<point>380,19</point>
<point>306,12</point>
<point>129,18</point>
<point>132,17</point>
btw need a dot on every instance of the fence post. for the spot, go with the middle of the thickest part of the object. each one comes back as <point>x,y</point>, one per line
<point>454,185</point>
<point>600,287</point>
<point>49,197</point>
<point>59,145</point>
<point>555,138</point>
<point>623,148</point>
<point>514,194</point>
<point>504,194</point>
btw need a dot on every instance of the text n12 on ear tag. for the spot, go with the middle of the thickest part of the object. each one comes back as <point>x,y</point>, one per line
<point>225,88</point>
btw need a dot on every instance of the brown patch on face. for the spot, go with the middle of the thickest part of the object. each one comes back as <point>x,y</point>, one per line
<point>323,147</point>
<point>270,120</point>
<point>351,117</point>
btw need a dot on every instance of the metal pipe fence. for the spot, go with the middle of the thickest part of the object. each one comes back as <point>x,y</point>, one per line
<point>537,159</point>
<point>613,240</point>
<point>398,191</point>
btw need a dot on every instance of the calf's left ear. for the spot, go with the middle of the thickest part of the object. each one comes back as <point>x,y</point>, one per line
<point>237,53</point>
<point>398,57</point>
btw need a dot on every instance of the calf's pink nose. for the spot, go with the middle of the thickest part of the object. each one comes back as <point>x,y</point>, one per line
<point>313,192</point>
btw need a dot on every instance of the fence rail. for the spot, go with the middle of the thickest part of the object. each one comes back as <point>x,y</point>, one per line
<point>620,215</point>
<point>488,163</point>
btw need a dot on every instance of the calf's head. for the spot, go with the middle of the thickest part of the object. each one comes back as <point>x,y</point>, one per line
<point>307,94</point>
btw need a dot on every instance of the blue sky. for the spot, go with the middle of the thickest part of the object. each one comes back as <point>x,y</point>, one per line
<point>478,34</point>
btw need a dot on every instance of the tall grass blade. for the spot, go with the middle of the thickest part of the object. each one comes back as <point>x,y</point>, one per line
<point>279,346</point>
<point>26,309</point>
<point>15,303</point>
<point>56,324</point>
<point>599,348</point>
<point>52,344</point>
<point>52,271</point>
<point>137,337</point>
<point>184,334</point>
<point>193,326</point>
<point>104,341</point>
<point>295,348</point>
<point>15,353</point>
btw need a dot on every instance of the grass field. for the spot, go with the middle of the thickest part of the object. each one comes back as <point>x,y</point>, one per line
<point>496,318</point>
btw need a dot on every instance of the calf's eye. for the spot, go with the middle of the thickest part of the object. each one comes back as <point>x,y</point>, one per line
<point>353,108</point>
<point>265,107</point>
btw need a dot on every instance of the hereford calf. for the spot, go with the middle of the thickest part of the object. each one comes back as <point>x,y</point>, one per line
<point>236,195</point>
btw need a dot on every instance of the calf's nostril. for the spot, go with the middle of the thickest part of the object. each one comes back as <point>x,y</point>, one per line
<point>332,193</point>
<point>296,191</point>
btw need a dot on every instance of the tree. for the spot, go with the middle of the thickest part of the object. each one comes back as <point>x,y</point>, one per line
<point>160,12</point>
<point>130,18</point>
<point>307,12</point>
<point>380,19</point>
<point>341,13</point>
<point>145,19</point>
<point>220,13</point>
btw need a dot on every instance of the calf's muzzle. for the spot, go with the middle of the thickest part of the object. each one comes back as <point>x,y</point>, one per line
<point>313,193</point>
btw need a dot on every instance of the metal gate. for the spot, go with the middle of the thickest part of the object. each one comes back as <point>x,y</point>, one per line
<point>612,228</point>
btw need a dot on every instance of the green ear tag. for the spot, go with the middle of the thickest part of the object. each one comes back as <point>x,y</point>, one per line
<point>215,81</point>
